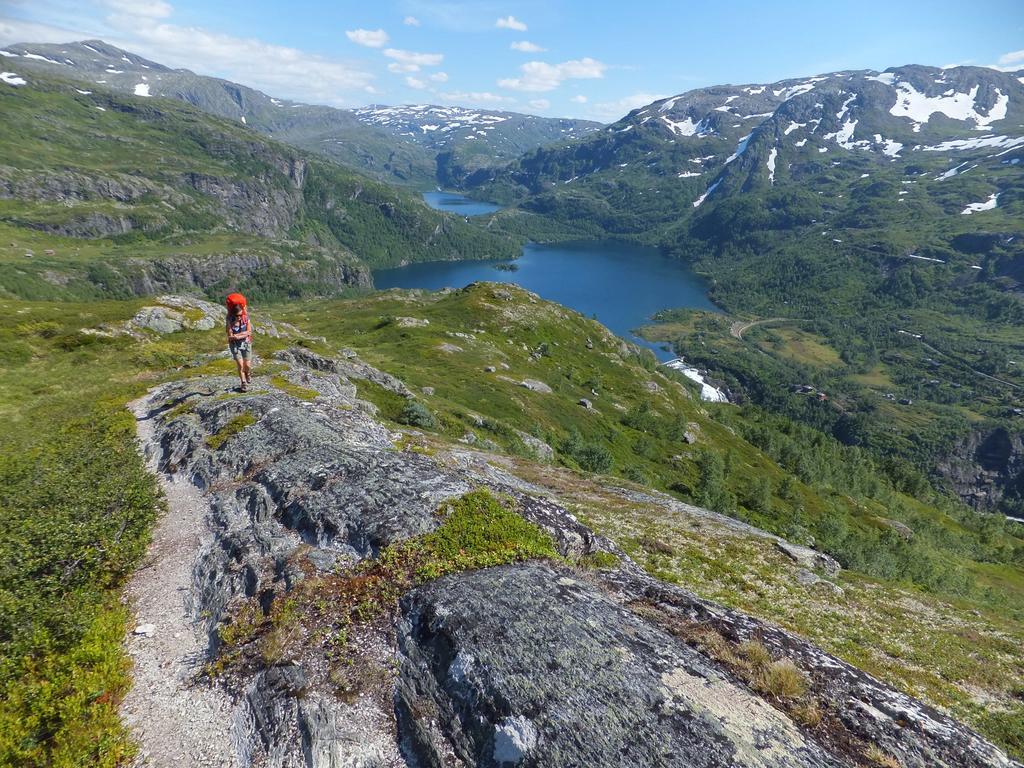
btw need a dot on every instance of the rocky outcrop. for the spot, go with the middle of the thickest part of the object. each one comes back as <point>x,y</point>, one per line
<point>324,273</point>
<point>261,205</point>
<point>986,466</point>
<point>530,664</point>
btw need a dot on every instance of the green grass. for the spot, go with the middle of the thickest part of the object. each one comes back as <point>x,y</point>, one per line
<point>63,392</point>
<point>229,430</point>
<point>477,530</point>
<point>76,504</point>
<point>295,390</point>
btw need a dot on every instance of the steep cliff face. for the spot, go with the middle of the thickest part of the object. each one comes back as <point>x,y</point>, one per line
<point>986,467</point>
<point>307,503</point>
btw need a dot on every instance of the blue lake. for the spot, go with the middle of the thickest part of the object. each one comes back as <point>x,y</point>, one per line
<point>453,202</point>
<point>622,284</point>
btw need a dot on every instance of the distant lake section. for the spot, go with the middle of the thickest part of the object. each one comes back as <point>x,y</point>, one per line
<point>453,202</point>
<point>621,284</point>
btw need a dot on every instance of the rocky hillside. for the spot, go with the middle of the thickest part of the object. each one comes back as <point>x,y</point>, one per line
<point>393,144</point>
<point>884,209</point>
<point>433,523</point>
<point>304,556</point>
<point>107,194</point>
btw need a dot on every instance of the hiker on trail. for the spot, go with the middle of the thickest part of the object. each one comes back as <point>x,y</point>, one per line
<point>240,338</point>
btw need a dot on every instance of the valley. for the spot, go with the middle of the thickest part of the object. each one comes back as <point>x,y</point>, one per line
<point>464,487</point>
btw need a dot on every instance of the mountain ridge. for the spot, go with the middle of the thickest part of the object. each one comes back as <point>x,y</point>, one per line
<point>351,137</point>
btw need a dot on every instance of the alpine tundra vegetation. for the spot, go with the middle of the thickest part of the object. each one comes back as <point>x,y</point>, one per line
<point>473,527</point>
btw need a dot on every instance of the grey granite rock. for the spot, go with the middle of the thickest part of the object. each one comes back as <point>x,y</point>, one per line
<point>522,665</point>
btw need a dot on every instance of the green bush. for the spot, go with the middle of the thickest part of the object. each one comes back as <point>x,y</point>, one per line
<point>417,415</point>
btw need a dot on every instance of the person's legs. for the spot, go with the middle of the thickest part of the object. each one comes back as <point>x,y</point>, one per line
<point>247,370</point>
<point>239,362</point>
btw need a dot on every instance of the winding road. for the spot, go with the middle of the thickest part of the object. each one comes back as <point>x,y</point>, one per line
<point>738,328</point>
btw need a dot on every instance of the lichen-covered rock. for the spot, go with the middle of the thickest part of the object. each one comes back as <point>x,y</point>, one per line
<point>523,665</point>
<point>529,666</point>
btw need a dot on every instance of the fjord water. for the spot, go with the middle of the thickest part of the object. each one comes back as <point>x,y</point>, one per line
<point>453,202</point>
<point>621,284</point>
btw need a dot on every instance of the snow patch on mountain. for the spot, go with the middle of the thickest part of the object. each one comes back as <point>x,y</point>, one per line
<point>686,127</point>
<point>702,198</point>
<point>919,107</point>
<point>886,78</point>
<point>771,164</point>
<point>846,106</point>
<point>740,148</point>
<point>37,57</point>
<point>953,172</point>
<point>844,135</point>
<point>792,127</point>
<point>142,89</point>
<point>12,78</point>
<point>988,205</point>
<point>982,142</point>
<point>890,148</point>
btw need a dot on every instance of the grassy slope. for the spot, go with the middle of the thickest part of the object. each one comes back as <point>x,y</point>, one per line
<point>62,393</point>
<point>827,242</point>
<point>953,643</point>
<point>51,132</point>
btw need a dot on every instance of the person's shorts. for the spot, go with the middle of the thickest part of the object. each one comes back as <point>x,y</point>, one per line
<point>240,349</point>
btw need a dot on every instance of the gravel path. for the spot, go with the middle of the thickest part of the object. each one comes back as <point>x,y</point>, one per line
<point>175,722</point>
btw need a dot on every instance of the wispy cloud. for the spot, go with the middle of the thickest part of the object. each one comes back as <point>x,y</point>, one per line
<point>150,9</point>
<point>526,47</point>
<point>147,28</point>
<point>371,38</point>
<point>1010,62</point>
<point>613,110</point>
<point>415,82</point>
<point>579,99</point>
<point>539,76</point>
<point>539,104</point>
<point>412,57</point>
<point>510,22</point>
<point>439,77</point>
<point>401,69</point>
<point>411,21</point>
<point>474,97</point>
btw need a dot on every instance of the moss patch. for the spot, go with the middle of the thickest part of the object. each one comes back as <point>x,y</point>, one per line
<point>229,430</point>
<point>479,530</point>
<point>295,390</point>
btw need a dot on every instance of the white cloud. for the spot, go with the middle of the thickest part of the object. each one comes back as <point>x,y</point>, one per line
<point>439,77</point>
<point>526,47</point>
<point>471,97</point>
<point>540,76</point>
<point>1009,62</point>
<point>149,9</point>
<point>510,22</point>
<point>279,70</point>
<point>371,38</point>
<point>539,104</point>
<point>414,82</point>
<point>399,69</point>
<point>20,31</point>
<point>411,21</point>
<point>411,57</point>
<point>613,110</point>
<point>579,99</point>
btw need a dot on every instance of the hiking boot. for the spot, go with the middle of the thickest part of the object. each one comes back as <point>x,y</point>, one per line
<point>244,387</point>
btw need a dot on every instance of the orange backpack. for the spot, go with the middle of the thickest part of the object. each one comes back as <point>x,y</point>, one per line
<point>235,300</point>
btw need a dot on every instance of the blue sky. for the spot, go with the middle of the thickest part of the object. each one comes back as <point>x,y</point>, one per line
<point>552,57</point>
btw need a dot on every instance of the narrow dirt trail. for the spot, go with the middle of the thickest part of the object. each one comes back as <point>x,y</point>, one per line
<point>175,722</point>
